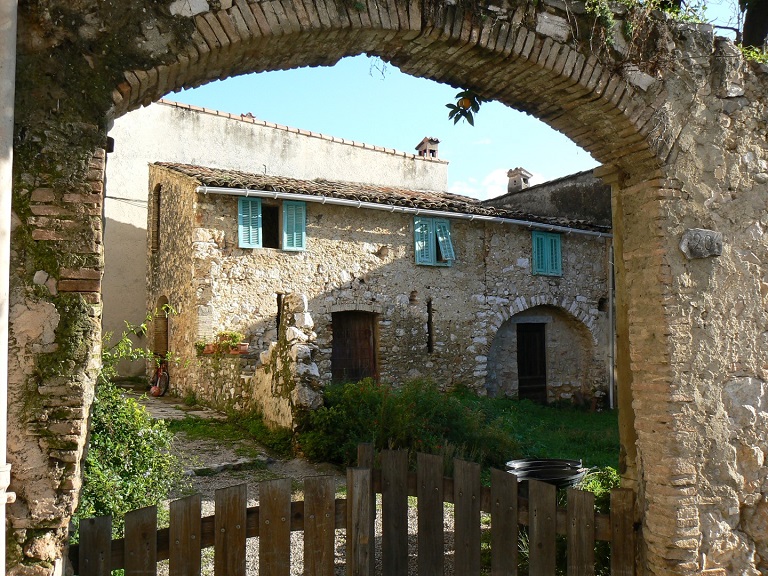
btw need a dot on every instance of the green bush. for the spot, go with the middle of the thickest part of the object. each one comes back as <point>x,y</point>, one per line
<point>417,417</point>
<point>129,464</point>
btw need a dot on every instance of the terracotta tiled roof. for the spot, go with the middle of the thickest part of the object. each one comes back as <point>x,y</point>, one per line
<point>387,195</point>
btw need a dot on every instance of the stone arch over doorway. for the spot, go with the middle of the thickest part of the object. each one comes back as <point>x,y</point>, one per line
<point>676,117</point>
<point>560,348</point>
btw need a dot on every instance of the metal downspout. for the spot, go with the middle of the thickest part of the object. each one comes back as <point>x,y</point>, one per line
<point>611,331</point>
<point>8,14</point>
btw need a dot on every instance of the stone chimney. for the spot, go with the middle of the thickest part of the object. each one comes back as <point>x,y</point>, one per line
<point>428,147</point>
<point>519,179</point>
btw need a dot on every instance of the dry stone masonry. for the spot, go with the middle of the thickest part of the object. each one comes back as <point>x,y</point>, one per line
<point>675,115</point>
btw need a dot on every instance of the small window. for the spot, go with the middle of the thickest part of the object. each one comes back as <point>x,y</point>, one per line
<point>547,258</point>
<point>259,224</point>
<point>433,245</point>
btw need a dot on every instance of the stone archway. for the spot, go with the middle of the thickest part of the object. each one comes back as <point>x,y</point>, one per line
<point>566,354</point>
<point>676,117</point>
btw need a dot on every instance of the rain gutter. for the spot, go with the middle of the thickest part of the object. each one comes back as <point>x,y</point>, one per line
<point>396,209</point>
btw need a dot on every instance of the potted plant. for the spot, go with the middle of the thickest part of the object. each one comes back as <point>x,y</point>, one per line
<point>228,341</point>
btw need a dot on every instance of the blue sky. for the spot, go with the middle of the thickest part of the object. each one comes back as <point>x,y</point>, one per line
<point>366,100</point>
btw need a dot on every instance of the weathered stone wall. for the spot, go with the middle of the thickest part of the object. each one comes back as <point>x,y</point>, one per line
<point>579,196</point>
<point>364,260</point>
<point>221,140</point>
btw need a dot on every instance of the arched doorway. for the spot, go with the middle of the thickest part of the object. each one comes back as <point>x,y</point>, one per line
<point>541,354</point>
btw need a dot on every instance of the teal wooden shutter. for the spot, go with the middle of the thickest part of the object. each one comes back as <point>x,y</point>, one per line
<point>294,225</point>
<point>249,222</point>
<point>443,232</point>
<point>424,235</point>
<point>547,255</point>
<point>555,259</point>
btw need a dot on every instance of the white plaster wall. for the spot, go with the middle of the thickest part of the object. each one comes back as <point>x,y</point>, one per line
<point>169,132</point>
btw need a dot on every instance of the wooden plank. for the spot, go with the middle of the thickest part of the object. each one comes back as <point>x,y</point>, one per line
<point>429,491</point>
<point>229,538</point>
<point>467,493</point>
<point>581,533</point>
<point>394,512</point>
<point>622,532</point>
<point>141,542</point>
<point>96,546</point>
<point>275,527</point>
<point>366,458</point>
<point>360,553</point>
<point>319,525</point>
<point>542,518</point>
<point>504,523</point>
<point>365,455</point>
<point>185,534</point>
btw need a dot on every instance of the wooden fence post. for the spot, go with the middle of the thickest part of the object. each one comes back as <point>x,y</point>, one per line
<point>394,512</point>
<point>360,536</point>
<point>185,535</point>
<point>141,542</point>
<point>366,458</point>
<point>504,523</point>
<point>275,527</point>
<point>431,537</point>
<point>542,517</point>
<point>622,532</point>
<point>96,546</point>
<point>319,525</point>
<point>467,496</point>
<point>229,548</point>
<point>581,533</point>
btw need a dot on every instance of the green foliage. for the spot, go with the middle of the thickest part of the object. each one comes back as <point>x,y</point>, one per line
<point>129,464</point>
<point>467,105</point>
<point>600,481</point>
<point>417,417</point>
<point>601,11</point>
<point>236,427</point>
<point>759,55</point>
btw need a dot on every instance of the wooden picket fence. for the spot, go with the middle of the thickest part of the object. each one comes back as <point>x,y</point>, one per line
<point>321,513</point>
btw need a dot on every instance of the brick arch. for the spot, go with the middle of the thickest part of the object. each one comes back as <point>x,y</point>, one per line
<point>523,58</point>
<point>682,149</point>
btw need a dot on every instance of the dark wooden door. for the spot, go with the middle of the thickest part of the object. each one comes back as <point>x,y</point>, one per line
<point>532,362</point>
<point>354,346</point>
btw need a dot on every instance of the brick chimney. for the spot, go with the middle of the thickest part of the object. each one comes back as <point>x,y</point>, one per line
<point>428,147</point>
<point>519,179</point>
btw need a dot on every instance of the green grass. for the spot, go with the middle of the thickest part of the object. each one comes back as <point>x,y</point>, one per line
<point>235,428</point>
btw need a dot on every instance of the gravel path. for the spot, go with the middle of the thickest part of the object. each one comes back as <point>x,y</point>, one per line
<point>219,465</point>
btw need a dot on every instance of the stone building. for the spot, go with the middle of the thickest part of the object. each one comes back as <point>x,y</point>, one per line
<point>351,280</point>
<point>221,140</point>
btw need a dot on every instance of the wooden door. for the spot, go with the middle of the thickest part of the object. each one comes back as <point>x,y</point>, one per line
<point>354,346</point>
<point>532,362</point>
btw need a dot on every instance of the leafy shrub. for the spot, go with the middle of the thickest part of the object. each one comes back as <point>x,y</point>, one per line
<point>417,417</point>
<point>129,464</point>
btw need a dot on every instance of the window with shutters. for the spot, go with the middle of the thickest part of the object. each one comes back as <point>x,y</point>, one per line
<point>547,256</point>
<point>271,225</point>
<point>432,241</point>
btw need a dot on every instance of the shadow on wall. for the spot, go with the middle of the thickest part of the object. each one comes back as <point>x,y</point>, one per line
<point>124,293</point>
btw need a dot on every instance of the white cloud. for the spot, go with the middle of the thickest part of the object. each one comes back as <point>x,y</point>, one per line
<point>493,184</point>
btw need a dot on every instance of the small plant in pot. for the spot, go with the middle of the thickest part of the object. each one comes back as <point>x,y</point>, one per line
<point>229,341</point>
